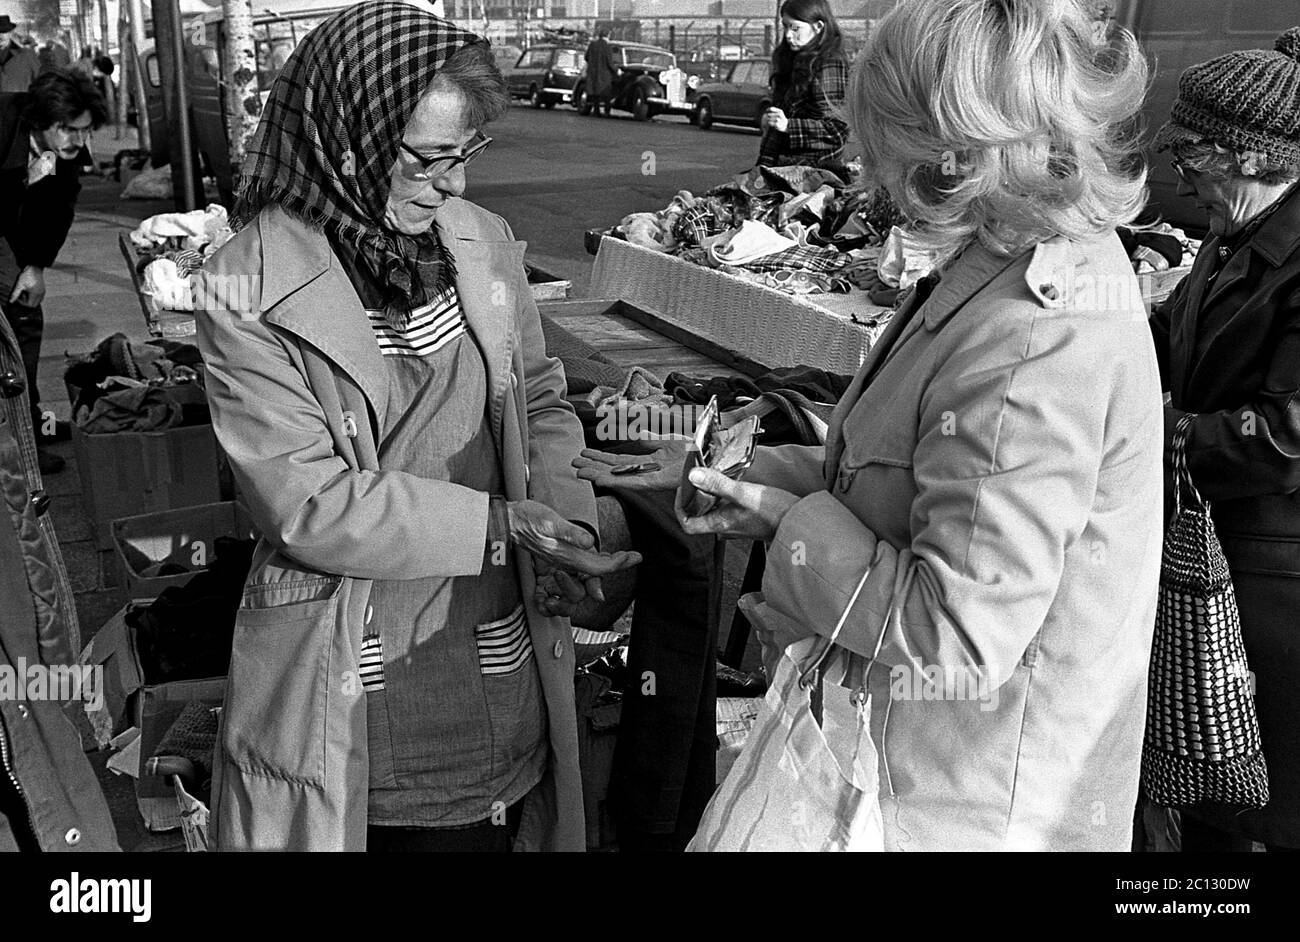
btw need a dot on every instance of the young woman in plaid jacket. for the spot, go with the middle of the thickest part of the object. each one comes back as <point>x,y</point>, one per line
<point>809,82</point>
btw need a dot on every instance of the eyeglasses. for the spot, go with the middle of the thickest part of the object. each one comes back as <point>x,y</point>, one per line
<point>431,167</point>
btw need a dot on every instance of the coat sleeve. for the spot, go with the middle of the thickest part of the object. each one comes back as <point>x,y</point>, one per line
<point>555,435</point>
<point>306,499</point>
<point>1254,448</point>
<point>999,500</point>
<point>824,130</point>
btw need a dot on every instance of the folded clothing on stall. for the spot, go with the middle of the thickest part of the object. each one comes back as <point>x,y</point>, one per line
<point>788,228</point>
<point>122,386</point>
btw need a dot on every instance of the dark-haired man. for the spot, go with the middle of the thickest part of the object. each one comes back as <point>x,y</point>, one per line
<point>42,134</point>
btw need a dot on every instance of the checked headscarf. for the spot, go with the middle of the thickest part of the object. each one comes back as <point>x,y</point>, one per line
<point>329,136</point>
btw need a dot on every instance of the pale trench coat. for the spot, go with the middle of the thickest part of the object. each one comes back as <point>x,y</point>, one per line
<point>297,387</point>
<point>1000,478</point>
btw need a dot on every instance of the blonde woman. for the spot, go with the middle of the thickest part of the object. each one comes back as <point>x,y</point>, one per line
<point>995,468</point>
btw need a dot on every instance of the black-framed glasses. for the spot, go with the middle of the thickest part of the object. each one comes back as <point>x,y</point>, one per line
<point>431,167</point>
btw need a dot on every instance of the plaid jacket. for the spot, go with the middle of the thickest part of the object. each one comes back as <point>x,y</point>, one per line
<point>815,134</point>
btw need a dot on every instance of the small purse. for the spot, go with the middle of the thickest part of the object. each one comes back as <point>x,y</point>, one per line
<point>1202,741</point>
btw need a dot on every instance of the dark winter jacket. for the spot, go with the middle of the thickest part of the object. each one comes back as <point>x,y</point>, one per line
<point>49,798</point>
<point>34,219</point>
<point>602,65</point>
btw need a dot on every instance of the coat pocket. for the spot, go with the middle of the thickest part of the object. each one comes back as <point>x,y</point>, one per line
<point>276,704</point>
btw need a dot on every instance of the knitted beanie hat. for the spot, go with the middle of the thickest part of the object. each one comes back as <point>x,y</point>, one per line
<point>1246,101</point>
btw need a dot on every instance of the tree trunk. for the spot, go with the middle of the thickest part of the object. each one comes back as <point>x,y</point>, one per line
<point>239,73</point>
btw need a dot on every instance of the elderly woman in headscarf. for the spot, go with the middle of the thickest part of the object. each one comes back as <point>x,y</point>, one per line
<point>402,673</point>
<point>1228,339</point>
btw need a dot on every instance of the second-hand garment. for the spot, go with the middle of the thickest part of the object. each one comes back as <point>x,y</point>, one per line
<point>996,465</point>
<point>1230,354</point>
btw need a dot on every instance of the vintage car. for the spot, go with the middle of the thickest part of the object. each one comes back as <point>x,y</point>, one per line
<point>546,74</point>
<point>648,83</point>
<point>740,98</point>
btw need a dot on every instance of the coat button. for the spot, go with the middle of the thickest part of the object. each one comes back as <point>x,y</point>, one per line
<point>22,710</point>
<point>73,837</point>
<point>11,384</point>
<point>558,650</point>
<point>350,424</point>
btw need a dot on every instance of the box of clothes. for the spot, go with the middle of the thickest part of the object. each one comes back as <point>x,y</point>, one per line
<point>163,661</point>
<point>164,549</point>
<point>142,432</point>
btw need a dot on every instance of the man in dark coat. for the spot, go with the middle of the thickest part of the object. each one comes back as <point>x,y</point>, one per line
<point>42,134</point>
<point>19,65</point>
<point>601,68</point>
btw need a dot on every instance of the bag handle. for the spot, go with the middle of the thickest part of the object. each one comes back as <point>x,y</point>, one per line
<point>812,674</point>
<point>1182,475</point>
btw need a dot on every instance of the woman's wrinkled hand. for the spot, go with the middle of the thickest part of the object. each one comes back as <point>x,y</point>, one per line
<point>599,468</point>
<point>752,511</point>
<point>557,592</point>
<point>560,543</point>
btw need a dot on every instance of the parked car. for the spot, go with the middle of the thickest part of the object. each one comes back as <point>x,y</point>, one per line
<point>709,61</point>
<point>740,98</point>
<point>648,83</point>
<point>546,74</point>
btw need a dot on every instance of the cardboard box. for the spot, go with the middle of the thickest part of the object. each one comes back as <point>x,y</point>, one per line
<point>129,473</point>
<point>184,537</point>
<point>129,701</point>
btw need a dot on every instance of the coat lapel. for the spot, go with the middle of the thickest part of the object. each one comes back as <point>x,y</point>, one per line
<point>487,282</point>
<point>305,291</point>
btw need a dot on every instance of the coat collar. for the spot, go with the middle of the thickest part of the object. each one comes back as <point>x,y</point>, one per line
<point>964,277</point>
<point>1279,237</point>
<point>305,290</point>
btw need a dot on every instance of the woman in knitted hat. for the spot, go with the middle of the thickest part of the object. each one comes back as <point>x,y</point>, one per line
<point>402,668</point>
<point>1228,340</point>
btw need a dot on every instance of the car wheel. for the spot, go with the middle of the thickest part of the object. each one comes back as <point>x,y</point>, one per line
<point>704,114</point>
<point>640,107</point>
<point>534,96</point>
<point>581,101</point>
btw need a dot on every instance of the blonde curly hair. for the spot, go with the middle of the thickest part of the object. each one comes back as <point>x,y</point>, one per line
<point>1002,121</point>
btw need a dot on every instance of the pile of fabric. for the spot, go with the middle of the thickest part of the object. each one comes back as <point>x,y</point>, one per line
<point>123,386</point>
<point>804,230</point>
<point>171,247</point>
<point>800,230</point>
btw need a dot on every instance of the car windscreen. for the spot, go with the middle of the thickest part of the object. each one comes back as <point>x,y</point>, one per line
<point>648,57</point>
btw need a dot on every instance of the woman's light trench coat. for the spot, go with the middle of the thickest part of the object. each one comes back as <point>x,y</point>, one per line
<point>997,471</point>
<point>297,387</point>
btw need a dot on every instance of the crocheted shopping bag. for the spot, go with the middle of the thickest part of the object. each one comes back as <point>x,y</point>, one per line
<point>1202,740</point>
